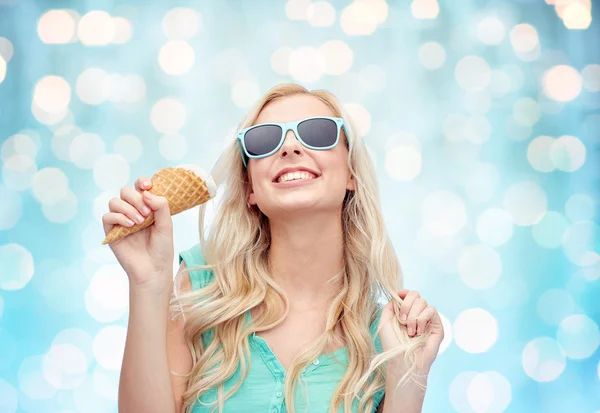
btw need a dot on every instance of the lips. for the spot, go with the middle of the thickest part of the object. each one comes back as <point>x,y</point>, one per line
<point>295,169</point>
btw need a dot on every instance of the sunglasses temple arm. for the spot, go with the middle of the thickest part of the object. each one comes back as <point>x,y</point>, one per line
<point>242,153</point>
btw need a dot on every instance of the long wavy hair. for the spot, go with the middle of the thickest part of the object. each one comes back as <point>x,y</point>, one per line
<point>236,249</point>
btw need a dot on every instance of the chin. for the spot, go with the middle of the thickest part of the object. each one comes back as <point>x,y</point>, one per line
<point>286,206</point>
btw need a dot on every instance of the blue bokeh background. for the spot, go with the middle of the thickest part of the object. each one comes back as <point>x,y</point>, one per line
<point>482,117</point>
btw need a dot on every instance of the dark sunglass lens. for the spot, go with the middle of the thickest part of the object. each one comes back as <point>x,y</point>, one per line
<point>262,140</point>
<point>319,133</point>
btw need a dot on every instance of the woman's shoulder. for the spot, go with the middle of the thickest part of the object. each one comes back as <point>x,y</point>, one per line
<point>193,259</point>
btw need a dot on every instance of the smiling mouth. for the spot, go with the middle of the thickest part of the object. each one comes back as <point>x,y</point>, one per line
<point>295,176</point>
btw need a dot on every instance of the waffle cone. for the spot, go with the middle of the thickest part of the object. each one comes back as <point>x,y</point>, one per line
<point>183,188</point>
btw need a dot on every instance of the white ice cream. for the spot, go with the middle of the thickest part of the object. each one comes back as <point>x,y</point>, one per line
<point>205,176</point>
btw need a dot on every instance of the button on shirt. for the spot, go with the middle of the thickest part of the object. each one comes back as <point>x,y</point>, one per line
<point>262,390</point>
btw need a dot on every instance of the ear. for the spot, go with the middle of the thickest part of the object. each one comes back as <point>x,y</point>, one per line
<point>251,199</point>
<point>351,185</point>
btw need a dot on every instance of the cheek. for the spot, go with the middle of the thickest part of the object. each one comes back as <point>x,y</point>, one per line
<point>258,173</point>
<point>336,164</point>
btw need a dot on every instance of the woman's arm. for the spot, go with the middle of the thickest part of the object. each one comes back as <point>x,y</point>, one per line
<point>408,398</point>
<point>154,345</point>
<point>178,352</point>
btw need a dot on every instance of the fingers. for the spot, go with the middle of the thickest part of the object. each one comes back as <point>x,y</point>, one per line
<point>407,302</point>
<point>411,323</point>
<point>117,205</point>
<point>143,183</point>
<point>162,212</point>
<point>113,218</point>
<point>134,198</point>
<point>425,318</point>
<point>130,208</point>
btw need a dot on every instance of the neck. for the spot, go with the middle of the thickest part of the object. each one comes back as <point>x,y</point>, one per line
<point>305,256</point>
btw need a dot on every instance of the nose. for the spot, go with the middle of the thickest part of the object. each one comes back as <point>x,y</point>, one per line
<point>291,145</point>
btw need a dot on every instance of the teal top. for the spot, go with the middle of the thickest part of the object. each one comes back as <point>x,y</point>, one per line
<point>262,390</point>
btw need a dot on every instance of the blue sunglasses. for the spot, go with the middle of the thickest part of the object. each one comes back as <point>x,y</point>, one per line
<point>317,133</point>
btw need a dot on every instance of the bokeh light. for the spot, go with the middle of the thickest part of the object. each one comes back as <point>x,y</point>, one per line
<point>360,116</point>
<point>129,147</point>
<point>554,305</point>
<point>297,9</point>
<point>320,14</point>
<point>168,115</point>
<point>2,69</point>
<point>562,83</point>
<point>373,78</point>
<point>176,57</point>
<point>62,211</point>
<point>337,57</point>
<point>85,149</point>
<point>489,392</point>
<point>473,73</point>
<point>305,64</point>
<point>478,103</point>
<point>494,227</point>
<point>443,213</point>
<point>425,9</point>
<point>576,16</point>
<point>11,208</point>
<point>65,366</point>
<point>90,87</point>
<point>57,26</point>
<point>123,30</point>
<point>244,93</point>
<point>109,345</point>
<point>52,94</point>
<point>50,185</point>
<point>479,267</point>
<point>96,28</point>
<point>432,55</point>
<point>6,49</point>
<point>403,162</point>
<point>106,299</point>
<point>526,111</point>
<point>491,30</point>
<point>579,336</point>
<point>360,18</point>
<point>172,147</point>
<point>18,172</point>
<point>17,266</point>
<point>481,181</point>
<point>580,207</point>
<point>580,243</point>
<point>111,172</point>
<point>543,359</point>
<point>475,330</point>
<point>9,401</point>
<point>31,379</point>
<point>538,153</point>
<point>181,23</point>
<point>591,77</point>
<point>568,153</point>
<point>526,202</point>
<point>550,231</point>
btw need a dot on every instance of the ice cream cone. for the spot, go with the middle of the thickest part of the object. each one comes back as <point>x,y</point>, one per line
<point>183,188</point>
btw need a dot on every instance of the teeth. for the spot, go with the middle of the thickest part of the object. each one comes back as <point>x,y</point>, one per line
<point>292,176</point>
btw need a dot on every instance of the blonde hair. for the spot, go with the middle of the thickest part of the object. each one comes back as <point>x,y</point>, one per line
<point>236,250</point>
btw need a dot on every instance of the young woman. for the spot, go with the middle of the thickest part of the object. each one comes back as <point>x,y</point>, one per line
<point>276,309</point>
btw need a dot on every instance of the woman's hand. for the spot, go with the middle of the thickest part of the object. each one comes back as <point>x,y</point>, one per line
<point>417,317</point>
<point>146,255</point>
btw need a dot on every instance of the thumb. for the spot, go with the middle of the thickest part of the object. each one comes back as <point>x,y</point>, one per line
<point>162,212</point>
